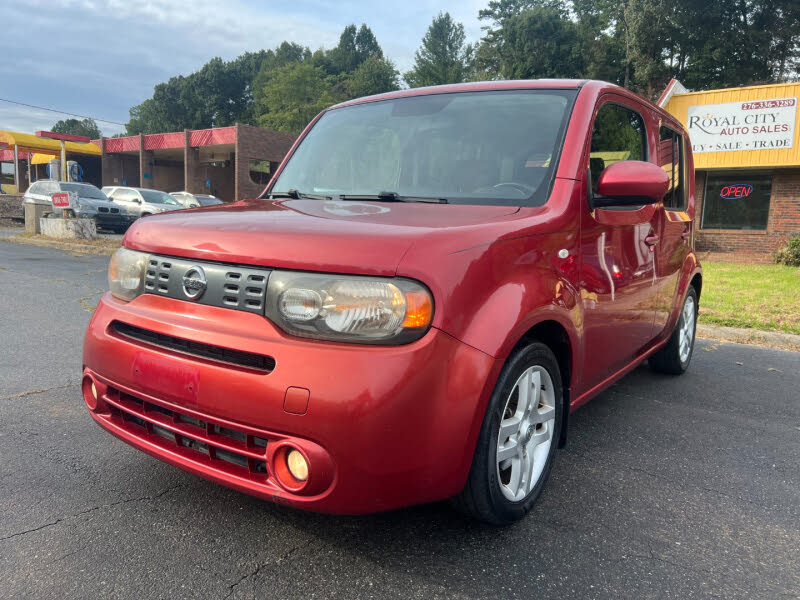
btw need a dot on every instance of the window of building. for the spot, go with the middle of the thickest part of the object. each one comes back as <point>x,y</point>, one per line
<point>618,134</point>
<point>670,158</point>
<point>736,200</point>
<point>260,171</point>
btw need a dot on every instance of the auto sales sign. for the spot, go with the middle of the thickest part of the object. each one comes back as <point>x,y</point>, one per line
<point>736,126</point>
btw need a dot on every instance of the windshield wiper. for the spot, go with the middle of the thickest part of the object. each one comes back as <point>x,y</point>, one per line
<point>392,197</point>
<point>296,195</point>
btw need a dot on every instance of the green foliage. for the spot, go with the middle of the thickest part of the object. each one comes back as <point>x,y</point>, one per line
<point>355,46</point>
<point>292,96</point>
<point>282,88</point>
<point>444,56</point>
<point>540,43</point>
<point>375,75</point>
<point>641,44</point>
<point>789,255</point>
<point>86,127</point>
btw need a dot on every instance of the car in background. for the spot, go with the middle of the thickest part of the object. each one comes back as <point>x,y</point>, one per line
<point>92,202</point>
<point>189,200</point>
<point>142,202</point>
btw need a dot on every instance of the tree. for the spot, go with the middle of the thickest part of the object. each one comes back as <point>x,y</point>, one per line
<point>355,46</point>
<point>292,96</point>
<point>376,75</point>
<point>492,54</point>
<point>540,42</point>
<point>443,57</point>
<point>85,127</point>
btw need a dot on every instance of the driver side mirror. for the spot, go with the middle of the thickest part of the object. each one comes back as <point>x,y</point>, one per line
<point>630,183</point>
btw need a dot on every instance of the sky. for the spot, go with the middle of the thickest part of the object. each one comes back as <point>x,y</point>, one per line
<point>97,58</point>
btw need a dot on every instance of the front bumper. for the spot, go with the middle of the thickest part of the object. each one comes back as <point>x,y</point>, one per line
<point>393,426</point>
<point>112,220</point>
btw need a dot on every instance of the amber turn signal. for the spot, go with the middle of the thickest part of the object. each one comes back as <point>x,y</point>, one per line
<point>419,310</point>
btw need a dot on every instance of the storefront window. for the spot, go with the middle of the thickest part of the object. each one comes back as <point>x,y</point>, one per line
<point>736,200</point>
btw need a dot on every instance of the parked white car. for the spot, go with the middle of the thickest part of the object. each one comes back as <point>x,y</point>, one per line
<point>142,202</point>
<point>189,200</point>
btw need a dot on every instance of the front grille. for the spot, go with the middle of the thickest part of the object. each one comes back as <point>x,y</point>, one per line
<point>227,286</point>
<point>249,360</point>
<point>241,452</point>
<point>105,209</point>
<point>102,209</point>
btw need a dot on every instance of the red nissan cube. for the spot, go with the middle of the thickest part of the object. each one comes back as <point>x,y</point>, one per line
<point>432,282</point>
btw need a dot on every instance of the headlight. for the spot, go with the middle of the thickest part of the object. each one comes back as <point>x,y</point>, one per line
<point>126,273</point>
<point>370,310</point>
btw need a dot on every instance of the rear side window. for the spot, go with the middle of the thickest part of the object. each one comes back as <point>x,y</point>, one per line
<point>671,159</point>
<point>618,134</point>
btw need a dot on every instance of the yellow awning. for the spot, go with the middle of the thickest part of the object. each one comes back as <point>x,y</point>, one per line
<point>42,159</point>
<point>27,142</point>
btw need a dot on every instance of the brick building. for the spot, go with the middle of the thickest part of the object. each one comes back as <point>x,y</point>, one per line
<point>746,146</point>
<point>229,162</point>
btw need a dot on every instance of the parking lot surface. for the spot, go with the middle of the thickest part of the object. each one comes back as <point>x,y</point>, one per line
<point>668,488</point>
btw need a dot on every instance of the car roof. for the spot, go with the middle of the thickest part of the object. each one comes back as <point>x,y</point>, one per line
<point>473,86</point>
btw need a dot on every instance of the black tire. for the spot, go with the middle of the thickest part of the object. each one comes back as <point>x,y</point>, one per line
<point>482,497</point>
<point>668,360</point>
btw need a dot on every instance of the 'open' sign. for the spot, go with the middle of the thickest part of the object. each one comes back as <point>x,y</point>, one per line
<point>736,190</point>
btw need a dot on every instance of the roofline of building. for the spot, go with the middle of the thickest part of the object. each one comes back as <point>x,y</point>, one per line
<point>686,92</point>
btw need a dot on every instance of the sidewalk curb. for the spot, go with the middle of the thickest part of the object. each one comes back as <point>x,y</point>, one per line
<point>83,248</point>
<point>738,335</point>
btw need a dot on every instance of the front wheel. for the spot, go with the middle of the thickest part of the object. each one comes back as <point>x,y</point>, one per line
<point>518,439</point>
<point>674,358</point>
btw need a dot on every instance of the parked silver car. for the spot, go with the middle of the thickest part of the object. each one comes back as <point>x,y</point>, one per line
<point>92,202</point>
<point>142,202</point>
<point>189,200</point>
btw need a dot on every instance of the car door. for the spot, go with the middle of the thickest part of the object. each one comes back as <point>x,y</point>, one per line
<point>618,278</point>
<point>675,222</point>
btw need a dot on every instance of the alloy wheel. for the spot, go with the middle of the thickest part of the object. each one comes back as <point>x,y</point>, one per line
<point>686,335</point>
<point>526,433</point>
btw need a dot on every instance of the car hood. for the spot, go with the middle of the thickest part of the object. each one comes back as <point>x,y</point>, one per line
<point>96,202</point>
<point>348,236</point>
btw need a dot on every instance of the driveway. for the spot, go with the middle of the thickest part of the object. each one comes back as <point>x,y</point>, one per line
<point>668,488</point>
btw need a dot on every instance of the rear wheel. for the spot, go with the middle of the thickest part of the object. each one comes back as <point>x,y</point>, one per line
<point>674,358</point>
<point>518,439</point>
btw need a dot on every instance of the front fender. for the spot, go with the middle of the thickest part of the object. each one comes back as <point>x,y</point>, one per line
<point>490,296</point>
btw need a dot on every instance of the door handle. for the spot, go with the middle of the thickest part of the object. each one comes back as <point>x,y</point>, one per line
<point>651,240</point>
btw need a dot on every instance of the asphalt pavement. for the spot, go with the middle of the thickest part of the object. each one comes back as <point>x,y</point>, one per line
<point>670,487</point>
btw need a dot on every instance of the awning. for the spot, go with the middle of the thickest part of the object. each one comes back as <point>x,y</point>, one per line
<point>41,159</point>
<point>30,143</point>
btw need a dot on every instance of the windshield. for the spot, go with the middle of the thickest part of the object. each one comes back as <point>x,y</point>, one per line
<point>156,197</point>
<point>496,147</point>
<point>207,200</point>
<point>83,190</point>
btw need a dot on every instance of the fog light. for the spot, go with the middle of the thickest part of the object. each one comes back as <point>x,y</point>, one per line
<point>89,392</point>
<point>297,464</point>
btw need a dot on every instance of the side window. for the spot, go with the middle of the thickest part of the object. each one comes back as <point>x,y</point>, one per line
<point>671,159</point>
<point>126,195</point>
<point>618,134</point>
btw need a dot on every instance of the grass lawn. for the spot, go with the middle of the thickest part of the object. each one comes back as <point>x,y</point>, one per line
<point>754,296</point>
